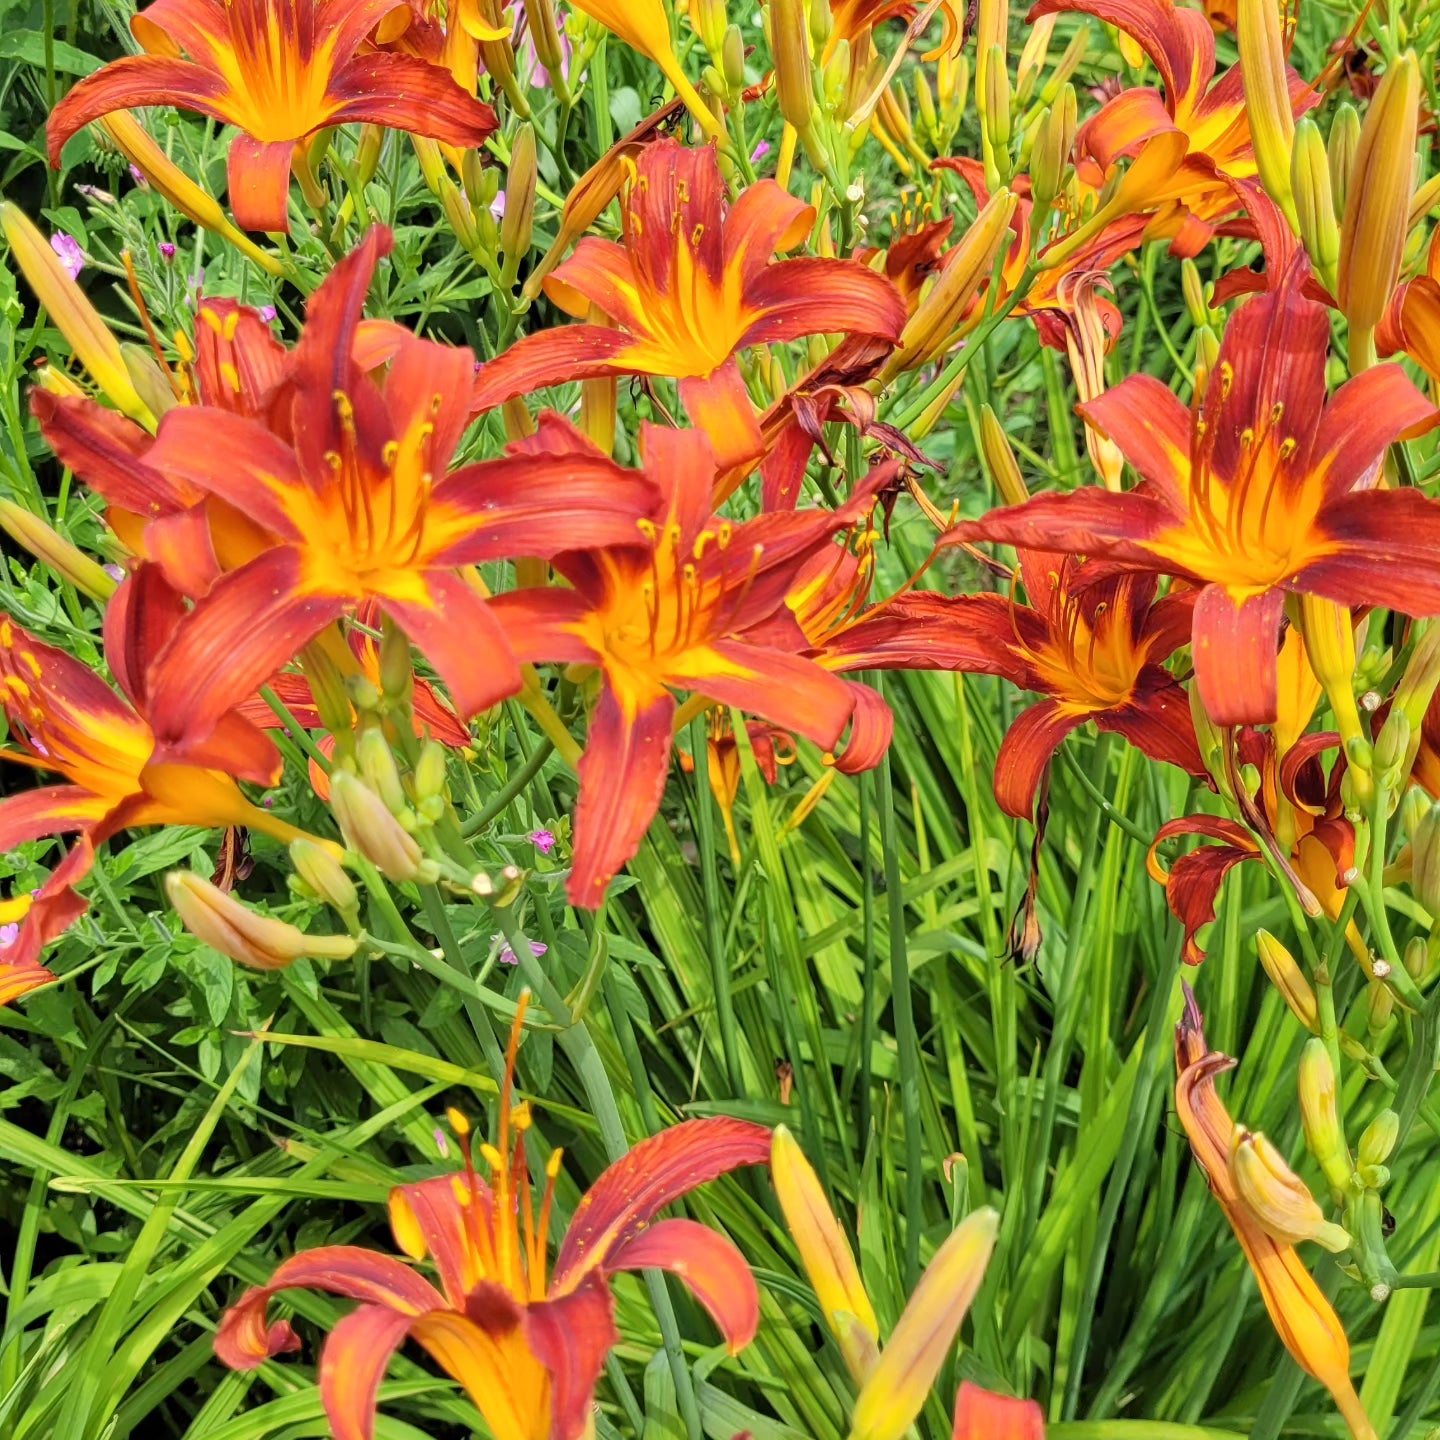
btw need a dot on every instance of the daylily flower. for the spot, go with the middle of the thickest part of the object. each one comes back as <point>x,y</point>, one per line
<point>1296,815</point>
<point>1412,319</point>
<point>65,719</point>
<point>690,286</point>
<point>1265,489</point>
<point>895,1377</point>
<point>360,507</point>
<point>1211,116</point>
<point>1095,652</point>
<point>699,606</point>
<point>279,71</point>
<point>1303,1318</point>
<point>526,1343</point>
<point>853,20</point>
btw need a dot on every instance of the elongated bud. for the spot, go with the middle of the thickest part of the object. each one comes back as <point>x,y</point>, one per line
<point>826,1255</point>
<point>324,875</point>
<point>790,46</point>
<point>1379,1006</point>
<point>928,330</point>
<point>236,931</point>
<point>462,218</point>
<point>1422,202</point>
<point>1425,861</point>
<point>378,769</point>
<point>1391,747</point>
<point>1033,56</point>
<point>1377,204</point>
<point>151,382</point>
<point>1000,459</point>
<point>46,544</point>
<point>1341,150</point>
<point>167,179</point>
<point>518,224</point>
<point>1417,687</point>
<point>1330,645</point>
<point>1315,200</point>
<point>327,688</point>
<point>900,1383</point>
<point>1320,1115</point>
<point>1289,980</point>
<point>54,380</point>
<point>1193,289</point>
<point>1062,74</point>
<point>996,97</point>
<point>925,104</point>
<point>1379,1139</point>
<point>1267,98</point>
<point>952,87</point>
<point>1054,141</point>
<point>732,59</point>
<point>74,316</point>
<point>371,830</point>
<point>429,782</point>
<point>1277,1197</point>
<point>992,28</point>
<point>545,35</point>
<point>710,22</point>
<point>367,153</point>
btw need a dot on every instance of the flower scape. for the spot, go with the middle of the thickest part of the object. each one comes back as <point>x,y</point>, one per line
<point>722,719</point>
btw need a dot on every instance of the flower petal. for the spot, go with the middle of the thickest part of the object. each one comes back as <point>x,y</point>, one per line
<point>1236,645</point>
<point>1193,881</point>
<point>243,1340</point>
<point>709,1264</point>
<point>720,405</point>
<point>551,357</point>
<point>1364,417</point>
<point>1157,721</point>
<point>1090,521</point>
<point>545,624</point>
<point>49,810</point>
<point>817,296</point>
<point>622,777</point>
<point>764,219</point>
<point>259,183</point>
<point>352,1365</point>
<point>571,1336</point>
<point>454,629</point>
<point>656,1172</point>
<point>872,727</point>
<point>404,92</point>
<point>1385,543</point>
<point>1028,747</point>
<point>983,1415</point>
<point>1152,429</point>
<point>139,619</point>
<point>51,913</point>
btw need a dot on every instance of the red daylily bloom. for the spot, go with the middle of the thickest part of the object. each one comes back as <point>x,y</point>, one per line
<point>1296,814</point>
<point>691,285</point>
<point>1412,322</point>
<point>853,20</point>
<point>771,746</point>
<point>527,1346</point>
<point>279,71</point>
<point>1212,117</point>
<point>699,607</point>
<point>359,507</point>
<point>1264,489</point>
<point>983,1415</point>
<point>64,718</point>
<point>1095,652</point>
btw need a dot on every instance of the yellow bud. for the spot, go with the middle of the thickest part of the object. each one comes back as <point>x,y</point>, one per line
<point>929,329</point>
<point>710,22</point>
<point>996,98</point>
<point>1341,149</point>
<point>47,545</point>
<point>545,35</point>
<point>1329,635</point>
<point>925,104</point>
<point>825,1253</point>
<point>1054,140</point>
<point>1287,977</point>
<point>1314,200</point>
<point>325,876</point>
<point>952,86</point>
<point>1267,98</point>
<point>1033,55</point>
<point>1320,1115</point>
<point>151,381</point>
<point>1425,861</point>
<point>1000,459</point>
<point>1379,1139</point>
<point>367,153</point>
<point>1069,64</point>
<point>75,317</point>
<point>430,772</point>
<point>790,47</point>
<point>518,225</point>
<point>1377,205</point>
<point>900,1383</point>
<point>1417,686</point>
<point>259,941</point>
<point>378,769</point>
<point>1193,288</point>
<point>1277,1197</point>
<point>732,58</point>
<point>372,831</point>
<point>1422,202</point>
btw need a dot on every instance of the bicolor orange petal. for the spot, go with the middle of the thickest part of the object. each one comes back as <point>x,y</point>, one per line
<point>551,357</point>
<point>571,1335</point>
<point>1193,882</point>
<point>1236,642</point>
<point>353,1361</point>
<point>258,182</point>
<point>1025,754</point>
<point>984,1415</point>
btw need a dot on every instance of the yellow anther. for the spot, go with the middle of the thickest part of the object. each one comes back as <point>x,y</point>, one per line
<point>459,1121</point>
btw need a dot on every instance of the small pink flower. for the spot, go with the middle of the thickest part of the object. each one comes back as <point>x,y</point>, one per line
<point>759,152</point>
<point>72,257</point>
<point>543,841</point>
<point>267,313</point>
<point>8,935</point>
<point>508,955</point>
<point>138,176</point>
<point>167,251</point>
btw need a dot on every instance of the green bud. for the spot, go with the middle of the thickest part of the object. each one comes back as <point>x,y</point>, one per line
<point>732,56</point>
<point>997,100</point>
<point>1425,861</point>
<point>430,772</point>
<point>324,875</point>
<point>1413,809</point>
<point>1379,1139</point>
<point>1344,142</point>
<point>377,768</point>
<point>1315,200</point>
<point>1319,1113</point>
<point>372,830</point>
<point>1193,288</point>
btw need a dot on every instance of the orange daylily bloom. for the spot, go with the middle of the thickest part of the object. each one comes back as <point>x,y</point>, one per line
<point>1211,116</point>
<point>1094,650</point>
<point>279,71</point>
<point>689,287</point>
<point>526,1343</point>
<point>699,606</point>
<point>1303,1318</point>
<point>1412,319</point>
<point>983,1415</point>
<point>350,502</point>
<point>1296,815</point>
<point>65,719</point>
<point>853,20</point>
<point>771,746</point>
<point>1264,489</point>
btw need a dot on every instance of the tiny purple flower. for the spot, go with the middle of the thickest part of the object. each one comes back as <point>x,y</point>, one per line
<point>9,934</point>
<point>267,313</point>
<point>442,1144</point>
<point>138,176</point>
<point>497,205</point>
<point>72,257</point>
<point>268,802</point>
<point>167,251</point>
<point>115,572</point>
<point>543,841</point>
<point>508,955</point>
<point>759,152</point>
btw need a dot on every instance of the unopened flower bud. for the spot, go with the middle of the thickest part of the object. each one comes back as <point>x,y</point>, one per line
<point>1267,98</point>
<point>1379,1007</point>
<point>1379,1139</point>
<point>1000,459</point>
<point>518,224</point>
<point>1425,861</point>
<point>1413,809</point>
<point>50,547</point>
<point>371,830</point>
<point>378,769</point>
<point>1315,200</point>
<point>1207,350</point>
<point>1069,64</point>
<point>1391,746</point>
<point>1287,977</point>
<point>1341,150</point>
<point>1193,288</point>
<point>1329,635</point>
<point>1277,1197</point>
<point>790,47</point>
<point>259,941</point>
<point>996,98</point>
<point>822,24</point>
<point>325,876</point>
<point>732,58</point>
<point>1319,1112</point>
<point>429,782</point>
<point>1377,204</point>
<point>367,153</point>
<point>1054,141</point>
<point>925,104</point>
<point>1033,55</point>
<point>710,22</point>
